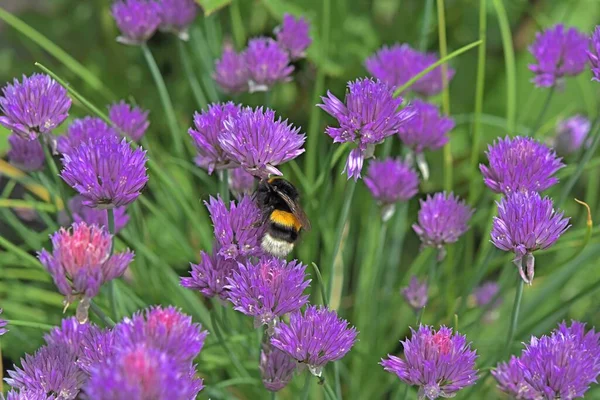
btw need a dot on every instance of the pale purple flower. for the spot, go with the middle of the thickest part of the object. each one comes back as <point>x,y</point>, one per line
<point>95,216</point>
<point>95,347</point>
<point>267,64</point>
<point>559,52</point>
<point>438,362</point>
<point>276,368</point>
<point>26,154</point>
<point>571,134</point>
<point>520,164</point>
<point>293,36</point>
<point>315,338</point>
<point>136,19</point>
<point>428,130</point>
<point>526,223</point>
<point>369,115</point>
<point>241,182</point>
<point>511,380</point>
<point>176,16</point>
<point>256,141</point>
<point>83,130</point>
<point>209,276</point>
<point>396,65</point>
<point>415,294</point>
<point>37,105</point>
<point>485,293</point>
<point>27,395</point>
<point>391,181</point>
<point>107,172</point>
<point>70,335</point>
<point>594,54</point>
<point>3,324</point>
<point>131,121</point>
<point>231,72</point>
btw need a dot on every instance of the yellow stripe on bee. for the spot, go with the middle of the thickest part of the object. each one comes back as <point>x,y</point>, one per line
<point>286,219</point>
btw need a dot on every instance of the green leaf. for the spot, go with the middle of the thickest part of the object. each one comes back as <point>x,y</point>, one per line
<point>210,6</point>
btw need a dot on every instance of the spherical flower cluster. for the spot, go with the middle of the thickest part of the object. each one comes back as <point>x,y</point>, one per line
<point>438,362</point>
<point>37,105</point>
<point>571,134</point>
<point>136,19</point>
<point>176,16</point>
<point>428,130</point>
<point>131,121</point>
<point>415,293</point>
<point>594,54</point>
<point>209,276</point>
<point>83,130</point>
<point>28,155</point>
<point>276,368</point>
<point>95,216</point>
<point>369,115</point>
<point>267,64</point>
<point>293,36</point>
<point>231,72</point>
<point>391,181</point>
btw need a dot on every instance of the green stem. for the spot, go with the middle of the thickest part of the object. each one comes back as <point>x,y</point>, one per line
<point>540,117</point>
<point>217,331</point>
<point>306,388</point>
<point>509,63</point>
<point>29,324</point>
<point>330,393</point>
<point>191,76</point>
<point>56,178</point>
<point>106,320</point>
<point>164,98</point>
<point>448,164</point>
<point>237,24</point>
<point>112,290</point>
<point>396,252</point>
<point>224,186</point>
<point>425,26</point>
<point>338,383</point>
<point>514,319</point>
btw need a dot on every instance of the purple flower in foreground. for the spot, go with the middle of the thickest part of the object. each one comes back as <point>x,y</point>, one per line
<point>208,125</point>
<point>136,19</point>
<point>315,338</point>
<point>415,293</point>
<point>511,381</point>
<point>131,121</point>
<point>391,181</point>
<point>241,182</point>
<point>28,155</point>
<point>526,223</point>
<point>520,164</point>
<point>428,130</point>
<point>369,115</point>
<point>209,276</point>
<point>231,73</point>
<point>292,35</point>
<point>396,65</point>
<point>268,289</point>
<point>594,54</point>
<point>95,216</point>
<point>276,368</point>
<point>81,262</point>
<point>107,172</point>
<point>571,134</point>
<point>27,395</point>
<point>176,16</point>
<point>3,324</point>
<point>558,53</point>
<point>70,335</point>
<point>36,105</point>
<point>442,219</point>
<point>267,64</point>
<point>83,130</point>
<point>96,346</point>
<point>256,141</point>
<point>439,362</point>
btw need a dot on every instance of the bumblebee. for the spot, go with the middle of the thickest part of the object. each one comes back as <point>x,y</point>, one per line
<point>283,216</point>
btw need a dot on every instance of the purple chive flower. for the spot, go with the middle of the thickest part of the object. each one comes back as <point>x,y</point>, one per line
<point>231,72</point>
<point>511,380</point>
<point>315,338</point>
<point>520,164</point>
<point>140,372</point>
<point>136,19</point>
<point>267,64</point>
<point>82,131</point>
<point>594,54</point>
<point>415,293</point>
<point>559,52</point>
<point>27,395</point>
<point>241,182</point>
<point>208,125</point>
<point>439,362</point>
<point>176,16</point>
<point>396,65</point>
<point>209,276</point>
<point>526,223</point>
<point>36,105</point>
<point>485,293</point>
<point>131,121</point>
<point>81,262</point>
<point>3,324</point>
<point>257,142</point>
<point>51,371</point>
<point>571,134</point>
<point>293,36</point>
<point>428,130</point>
<point>442,219</point>
<point>69,335</point>
<point>28,155</point>
<point>368,117</point>
<point>107,172</point>
<point>391,181</point>
<point>268,289</point>
<point>276,368</point>
<point>96,346</point>
<point>94,216</point>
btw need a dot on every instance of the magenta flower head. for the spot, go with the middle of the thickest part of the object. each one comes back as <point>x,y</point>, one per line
<point>315,338</point>
<point>81,262</point>
<point>391,181</point>
<point>396,65</point>
<point>594,54</point>
<point>268,289</point>
<point>438,362</point>
<point>131,121</point>
<point>442,219</point>
<point>253,139</point>
<point>83,130</point>
<point>231,72</point>
<point>559,52</point>
<point>95,216</point>
<point>526,223</point>
<point>208,125</point>
<point>209,276</point>
<point>25,154</point>
<point>267,64</point>
<point>520,164</point>
<point>276,368</point>
<point>136,19</point>
<point>37,105</point>
<point>107,172</point>
<point>3,324</point>
<point>369,115</point>
<point>293,36</point>
<point>415,293</point>
<point>241,182</point>
<point>176,16</point>
<point>571,134</point>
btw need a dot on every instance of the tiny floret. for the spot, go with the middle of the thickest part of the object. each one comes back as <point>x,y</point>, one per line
<point>293,36</point>
<point>571,134</point>
<point>136,19</point>
<point>415,294</point>
<point>428,130</point>
<point>391,181</point>
<point>209,276</point>
<point>176,16</point>
<point>267,64</point>
<point>231,72</point>
<point>131,121</point>
<point>594,54</point>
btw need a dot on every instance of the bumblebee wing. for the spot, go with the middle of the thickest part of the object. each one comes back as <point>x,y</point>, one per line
<point>295,208</point>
